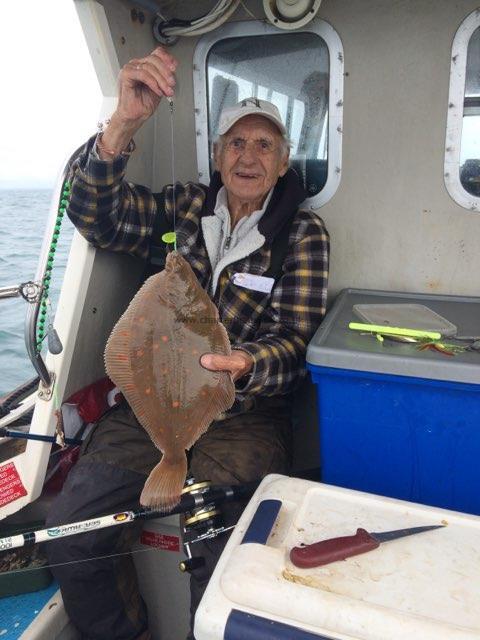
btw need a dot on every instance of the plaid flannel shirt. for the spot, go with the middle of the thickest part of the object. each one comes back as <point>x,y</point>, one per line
<point>274,328</point>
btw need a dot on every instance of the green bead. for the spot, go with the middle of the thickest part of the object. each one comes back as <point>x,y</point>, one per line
<point>43,312</point>
<point>54,240</point>
<point>62,210</point>
<point>63,202</point>
<point>169,237</point>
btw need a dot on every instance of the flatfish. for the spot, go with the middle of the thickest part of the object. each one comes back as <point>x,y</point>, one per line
<point>153,356</point>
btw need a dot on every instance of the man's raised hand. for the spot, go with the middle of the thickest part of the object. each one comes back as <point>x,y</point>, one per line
<point>142,84</point>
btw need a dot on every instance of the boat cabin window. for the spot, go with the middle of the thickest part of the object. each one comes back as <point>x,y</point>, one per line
<point>470,141</point>
<point>462,156</point>
<point>292,70</point>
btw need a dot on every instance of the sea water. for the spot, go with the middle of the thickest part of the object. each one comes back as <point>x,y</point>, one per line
<point>23,219</point>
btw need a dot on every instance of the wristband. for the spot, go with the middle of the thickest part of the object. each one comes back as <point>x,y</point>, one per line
<point>125,153</point>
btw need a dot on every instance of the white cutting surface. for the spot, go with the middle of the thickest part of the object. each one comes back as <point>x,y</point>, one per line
<point>425,586</point>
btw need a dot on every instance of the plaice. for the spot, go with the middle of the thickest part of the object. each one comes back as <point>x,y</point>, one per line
<point>153,356</point>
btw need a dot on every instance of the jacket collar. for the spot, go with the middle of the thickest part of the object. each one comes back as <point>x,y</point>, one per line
<point>287,196</point>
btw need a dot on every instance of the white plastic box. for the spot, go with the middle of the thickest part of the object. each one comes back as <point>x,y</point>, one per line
<point>421,587</point>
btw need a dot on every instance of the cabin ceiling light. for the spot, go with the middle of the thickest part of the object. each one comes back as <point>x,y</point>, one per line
<point>291,14</point>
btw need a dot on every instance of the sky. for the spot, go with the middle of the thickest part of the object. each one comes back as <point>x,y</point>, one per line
<point>50,97</point>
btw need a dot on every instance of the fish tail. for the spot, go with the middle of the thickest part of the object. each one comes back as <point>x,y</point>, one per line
<point>164,485</point>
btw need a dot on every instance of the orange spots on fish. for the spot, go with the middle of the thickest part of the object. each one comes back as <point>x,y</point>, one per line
<point>156,346</point>
<point>124,334</point>
<point>122,357</point>
<point>140,353</point>
<point>140,319</point>
<point>148,391</point>
<point>175,404</point>
<point>129,386</point>
<point>195,352</point>
<point>164,371</point>
<point>164,338</point>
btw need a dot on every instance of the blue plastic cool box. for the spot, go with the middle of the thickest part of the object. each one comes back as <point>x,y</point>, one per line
<point>395,420</point>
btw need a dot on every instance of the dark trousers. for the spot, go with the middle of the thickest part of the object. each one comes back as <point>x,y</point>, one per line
<point>101,595</point>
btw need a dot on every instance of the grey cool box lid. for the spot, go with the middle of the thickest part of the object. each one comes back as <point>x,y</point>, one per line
<point>335,345</point>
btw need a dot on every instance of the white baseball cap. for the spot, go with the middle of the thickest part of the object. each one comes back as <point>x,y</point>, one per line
<point>248,107</point>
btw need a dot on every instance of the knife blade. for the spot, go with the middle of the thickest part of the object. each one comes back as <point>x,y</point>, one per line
<point>341,548</point>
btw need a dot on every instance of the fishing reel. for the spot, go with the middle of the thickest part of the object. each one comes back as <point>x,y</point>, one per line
<point>202,523</point>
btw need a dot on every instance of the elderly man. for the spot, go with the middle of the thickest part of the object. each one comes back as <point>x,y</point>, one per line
<point>271,297</point>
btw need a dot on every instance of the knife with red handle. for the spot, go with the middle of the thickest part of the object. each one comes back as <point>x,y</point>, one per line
<point>327,551</point>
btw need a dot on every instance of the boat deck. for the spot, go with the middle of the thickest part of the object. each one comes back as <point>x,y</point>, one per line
<point>18,612</point>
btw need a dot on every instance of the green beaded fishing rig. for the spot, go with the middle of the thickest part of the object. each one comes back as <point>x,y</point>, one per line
<point>44,302</point>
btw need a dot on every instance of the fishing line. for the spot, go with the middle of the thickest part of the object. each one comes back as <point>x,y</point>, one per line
<point>172,142</point>
<point>63,564</point>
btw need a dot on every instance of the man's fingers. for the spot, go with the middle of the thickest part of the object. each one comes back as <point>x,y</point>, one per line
<point>237,364</point>
<point>164,76</point>
<point>165,57</point>
<point>216,362</point>
<point>139,71</point>
<point>164,79</point>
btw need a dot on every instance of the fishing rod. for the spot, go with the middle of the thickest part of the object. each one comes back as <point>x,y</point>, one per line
<point>187,502</point>
<point>9,433</point>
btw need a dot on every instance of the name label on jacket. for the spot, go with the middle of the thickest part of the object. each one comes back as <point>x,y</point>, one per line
<point>254,282</point>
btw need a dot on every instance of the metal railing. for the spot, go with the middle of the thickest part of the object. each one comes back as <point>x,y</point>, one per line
<point>33,309</point>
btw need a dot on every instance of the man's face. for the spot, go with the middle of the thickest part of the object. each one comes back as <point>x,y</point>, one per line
<point>250,160</point>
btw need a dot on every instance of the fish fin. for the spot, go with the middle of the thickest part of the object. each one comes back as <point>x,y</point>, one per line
<point>164,485</point>
<point>117,356</point>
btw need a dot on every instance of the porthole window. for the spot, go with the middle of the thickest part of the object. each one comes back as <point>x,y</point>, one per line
<point>462,157</point>
<point>300,72</point>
